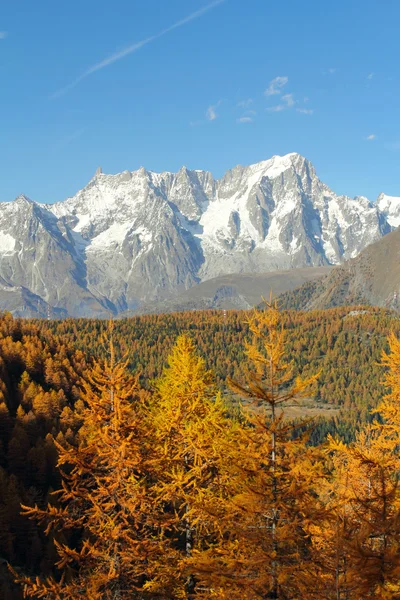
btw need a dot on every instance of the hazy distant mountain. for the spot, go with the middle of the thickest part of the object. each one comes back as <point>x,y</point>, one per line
<point>235,291</point>
<point>373,278</point>
<point>135,238</point>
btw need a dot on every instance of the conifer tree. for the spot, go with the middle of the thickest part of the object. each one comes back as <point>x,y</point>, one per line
<point>358,546</point>
<point>330,557</point>
<point>367,502</point>
<point>276,493</point>
<point>389,407</point>
<point>102,521</point>
<point>374,467</point>
<point>192,434</point>
<point>378,541</point>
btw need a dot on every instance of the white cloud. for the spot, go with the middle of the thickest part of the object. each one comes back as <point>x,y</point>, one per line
<point>244,120</point>
<point>288,102</point>
<point>3,35</point>
<point>276,85</point>
<point>370,137</point>
<point>370,76</point>
<point>288,99</point>
<point>245,103</point>
<point>211,112</point>
<point>305,111</point>
<point>134,48</point>
<point>277,108</point>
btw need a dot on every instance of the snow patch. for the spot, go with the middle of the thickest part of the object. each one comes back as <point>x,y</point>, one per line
<point>7,243</point>
<point>113,236</point>
<point>276,165</point>
<point>390,206</point>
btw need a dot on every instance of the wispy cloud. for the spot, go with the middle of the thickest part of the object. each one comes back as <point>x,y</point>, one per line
<point>288,99</point>
<point>3,35</point>
<point>370,137</point>
<point>211,112</point>
<point>245,103</point>
<point>287,102</point>
<point>69,139</point>
<point>242,120</point>
<point>277,108</point>
<point>370,76</point>
<point>305,111</point>
<point>276,86</point>
<point>109,60</point>
<point>330,71</point>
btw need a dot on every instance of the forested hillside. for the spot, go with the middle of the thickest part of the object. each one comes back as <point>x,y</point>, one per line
<point>157,460</point>
<point>343,344</point>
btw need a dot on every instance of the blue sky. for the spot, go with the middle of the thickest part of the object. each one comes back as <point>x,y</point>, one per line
<point>166,83</point>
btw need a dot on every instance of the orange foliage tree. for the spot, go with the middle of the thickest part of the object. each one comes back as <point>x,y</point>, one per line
<point>357,547</point>
<point>276,492</point>
<point>104,501</point>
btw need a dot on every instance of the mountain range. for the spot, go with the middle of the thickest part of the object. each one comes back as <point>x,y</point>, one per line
<point>127,241</point>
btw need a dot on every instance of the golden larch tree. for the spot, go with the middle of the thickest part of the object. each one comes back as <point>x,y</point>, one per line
<point>367,506</point>
<point>358,546</point>
<point>192,433</point>
<point>276,493</point>
<point>102,522</point>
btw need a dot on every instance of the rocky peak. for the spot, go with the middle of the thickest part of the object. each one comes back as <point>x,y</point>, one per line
<point>135,237</point>
<point>389,206</point>
<point>23,200</point>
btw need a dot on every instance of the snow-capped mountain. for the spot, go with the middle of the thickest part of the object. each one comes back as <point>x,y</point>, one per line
<point>390,208</point>
<point>137,237</point>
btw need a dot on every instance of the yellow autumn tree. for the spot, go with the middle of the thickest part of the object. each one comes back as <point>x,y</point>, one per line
<point>192,434</point>
<point>102,522</point>
<point>357,548</point>
<point>365,503</point>
<point>389,408</point>
<point>330,557</point>
<point>275,499</point>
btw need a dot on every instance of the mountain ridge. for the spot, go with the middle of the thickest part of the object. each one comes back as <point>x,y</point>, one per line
<point>372,278</point>
<point>141,237</point>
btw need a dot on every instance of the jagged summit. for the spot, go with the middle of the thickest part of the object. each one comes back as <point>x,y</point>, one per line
<point>390,207</point>
<point>139,236</point>
<point>22,199</point>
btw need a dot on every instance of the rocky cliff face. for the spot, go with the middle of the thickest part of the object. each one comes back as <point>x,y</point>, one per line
<point>137,237</point>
